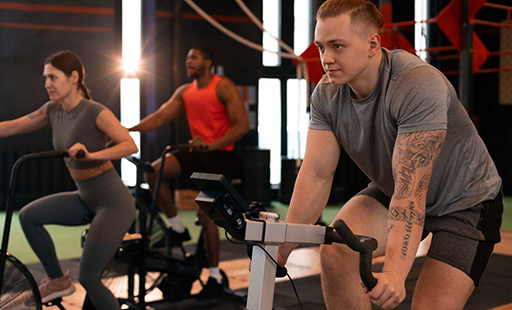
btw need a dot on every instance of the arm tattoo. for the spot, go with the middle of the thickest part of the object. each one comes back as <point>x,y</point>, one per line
<point>410,217</point>
<point>421,190</point>
<point>35,114</point>
<point>415,150</point>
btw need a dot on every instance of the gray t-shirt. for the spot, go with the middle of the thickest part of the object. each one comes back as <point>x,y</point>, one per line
<point>77,125</point>
<point>410,96</point>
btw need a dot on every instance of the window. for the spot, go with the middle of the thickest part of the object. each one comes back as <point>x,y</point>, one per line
<point>302,26</point>
<point>130,85</point>
<point>271,23</point>
<point>420,29</point>
<point>269,123</point>
<point>277,82</point>
<point>297,118</point>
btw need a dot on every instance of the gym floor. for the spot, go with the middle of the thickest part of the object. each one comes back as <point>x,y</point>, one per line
<point>303,264</point>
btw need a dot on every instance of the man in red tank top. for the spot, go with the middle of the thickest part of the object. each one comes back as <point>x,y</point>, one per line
<point>217,119</point>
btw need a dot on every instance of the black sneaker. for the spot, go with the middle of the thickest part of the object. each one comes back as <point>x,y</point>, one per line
<point>176,238</point>
<point>212,290</point>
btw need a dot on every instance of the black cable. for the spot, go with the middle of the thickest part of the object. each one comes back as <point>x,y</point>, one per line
<point>269,256</point>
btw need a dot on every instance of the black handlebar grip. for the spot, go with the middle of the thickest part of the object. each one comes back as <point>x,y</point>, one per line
<point>80,154</point>
<point>365,246</point>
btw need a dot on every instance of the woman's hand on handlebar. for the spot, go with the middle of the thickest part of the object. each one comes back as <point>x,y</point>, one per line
<point>197,144</point>
<point>389,291</point>
<point>78,152</point>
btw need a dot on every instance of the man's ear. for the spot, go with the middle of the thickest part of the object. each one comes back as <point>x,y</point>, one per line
<point>374,44</point>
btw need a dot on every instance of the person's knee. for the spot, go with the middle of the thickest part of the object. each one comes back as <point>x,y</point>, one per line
<point>25,216</point>
<point>335,257</point>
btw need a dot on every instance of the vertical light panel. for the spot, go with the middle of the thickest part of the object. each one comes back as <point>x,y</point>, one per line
<point>130,85</point>
<point>130,116</point>
<point>131,32</point>
<point>297,118</point>
<point>269,124</point>
<point>271,23</point>
<point>420,29</point>
<point>302,26</point>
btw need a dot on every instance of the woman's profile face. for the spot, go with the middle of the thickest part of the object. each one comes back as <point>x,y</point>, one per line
<point>58,85</point>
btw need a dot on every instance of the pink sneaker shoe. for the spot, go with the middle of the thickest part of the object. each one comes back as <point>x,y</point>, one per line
<point>51,289</point>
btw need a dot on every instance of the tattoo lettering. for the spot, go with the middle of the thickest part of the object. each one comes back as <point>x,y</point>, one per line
<point>406,215</point>
<point>415,150</point>
<point>35,114</point>
<point>410,216</point>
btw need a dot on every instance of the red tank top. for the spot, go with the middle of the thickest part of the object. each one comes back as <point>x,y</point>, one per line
<point>207,116</point>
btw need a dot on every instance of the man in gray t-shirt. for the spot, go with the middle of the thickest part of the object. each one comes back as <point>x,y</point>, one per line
<point>399,119</point>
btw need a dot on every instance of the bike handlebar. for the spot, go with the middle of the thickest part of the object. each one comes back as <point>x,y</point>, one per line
<point>10,197</point>
<point>146,166</point>
<point>362,244</point>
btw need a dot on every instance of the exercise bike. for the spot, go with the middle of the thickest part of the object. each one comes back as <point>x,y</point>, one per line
<point>264,232</point>
<point>18,289</point>
<point>140,266</point>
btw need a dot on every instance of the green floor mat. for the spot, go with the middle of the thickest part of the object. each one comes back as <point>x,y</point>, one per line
<point>67,239</point>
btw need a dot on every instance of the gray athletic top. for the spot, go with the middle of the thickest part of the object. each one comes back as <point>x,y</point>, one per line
<point>410,96</point>
<point>77,125</point>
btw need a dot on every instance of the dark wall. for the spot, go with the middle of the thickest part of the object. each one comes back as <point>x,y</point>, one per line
<point>492,119</point>
<point>30,31</point>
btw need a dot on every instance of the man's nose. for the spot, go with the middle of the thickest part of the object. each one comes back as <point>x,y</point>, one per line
<point>327,57</point>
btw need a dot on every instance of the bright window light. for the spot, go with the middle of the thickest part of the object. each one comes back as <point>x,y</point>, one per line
<point>271,23</point>
<point>269,124</point>
<point>297,118</point>
<point>131,32</point>
<point>302,23</point>
<point>420,29</point>
<point>130,87</point>
<point>130,116</point>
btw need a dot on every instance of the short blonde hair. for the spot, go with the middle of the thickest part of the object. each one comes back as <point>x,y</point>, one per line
<point>361,11</point>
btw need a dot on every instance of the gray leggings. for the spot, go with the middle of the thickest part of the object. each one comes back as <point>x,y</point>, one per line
<point>105,199</point>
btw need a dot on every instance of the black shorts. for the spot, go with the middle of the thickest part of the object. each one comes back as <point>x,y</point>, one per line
<point>463,239</point>
<point>221,162</point>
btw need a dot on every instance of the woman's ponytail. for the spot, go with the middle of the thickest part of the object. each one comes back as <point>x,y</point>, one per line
<point>85,92</point>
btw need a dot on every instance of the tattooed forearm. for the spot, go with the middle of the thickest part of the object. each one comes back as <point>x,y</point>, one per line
<point>411,217</point>
<point>413,151</point>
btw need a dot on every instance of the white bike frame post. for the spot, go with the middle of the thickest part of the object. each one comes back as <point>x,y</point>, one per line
<point>270,233</point>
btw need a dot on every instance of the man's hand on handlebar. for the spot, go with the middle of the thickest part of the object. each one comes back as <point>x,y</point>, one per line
<point>197,144</point>
<point>284,252</point>
<point>389,291</point>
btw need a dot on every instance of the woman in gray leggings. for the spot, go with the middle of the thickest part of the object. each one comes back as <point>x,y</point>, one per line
<point>78,124</point>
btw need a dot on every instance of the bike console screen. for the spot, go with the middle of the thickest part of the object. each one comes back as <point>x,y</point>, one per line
<point>221,202</point>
